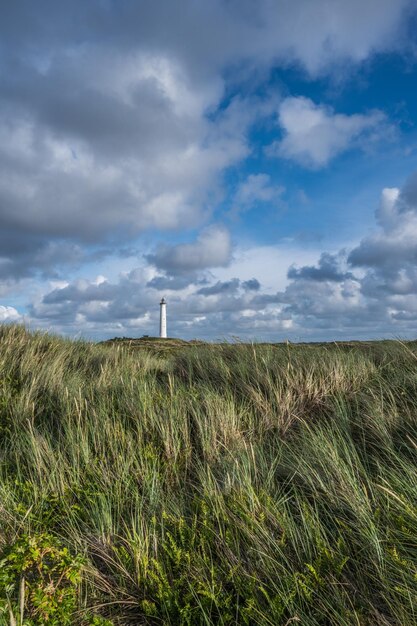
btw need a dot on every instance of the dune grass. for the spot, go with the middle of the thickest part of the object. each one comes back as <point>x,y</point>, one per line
<point>220,484</point>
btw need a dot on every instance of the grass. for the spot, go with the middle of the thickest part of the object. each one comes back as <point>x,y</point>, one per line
<point>214,484</point>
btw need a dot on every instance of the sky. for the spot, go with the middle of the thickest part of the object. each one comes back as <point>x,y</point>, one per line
<point>252,161</point>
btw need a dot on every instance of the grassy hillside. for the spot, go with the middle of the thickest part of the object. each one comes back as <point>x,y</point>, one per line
<point>217,484</point>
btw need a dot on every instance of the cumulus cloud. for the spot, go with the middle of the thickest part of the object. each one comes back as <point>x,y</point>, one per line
<point>327,269</point>
<point>112,121</point>
<point>395,242</point>
<point>314,134</point>
<point>174,283</point>
<point>211,249</point>
<point>252,284</point>
<point>9,314</point>
<point>231,286</point>
<point>369,291</point>
<point>263,30</point>
<point>389,255</point>
<point>348,294</point>
<point>81,291</point>
<point>102,145</point>
<point>66,186</point>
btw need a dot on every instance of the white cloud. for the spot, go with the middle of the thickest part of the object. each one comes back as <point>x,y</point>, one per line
<point>314,134</point>
<point>158,169</point>
<point>321,34</point>
<point>375,299</point>
<point>387,212</point>
<point>9,314</point>
<point>211,249</point>
<point>394,243</point>
<point>256,189</point>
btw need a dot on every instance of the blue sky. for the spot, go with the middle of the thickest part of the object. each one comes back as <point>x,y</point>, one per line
<point>255,163</point>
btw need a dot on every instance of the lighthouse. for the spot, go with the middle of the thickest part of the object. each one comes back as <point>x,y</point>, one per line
<point>163,319</point>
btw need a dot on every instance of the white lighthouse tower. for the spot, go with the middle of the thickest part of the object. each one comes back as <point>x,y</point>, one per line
<point>163,319</point>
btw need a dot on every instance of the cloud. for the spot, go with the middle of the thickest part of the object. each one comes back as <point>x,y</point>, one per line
<point>64,185</point>
<point>328,270</point>
<point>251,285</point>
<point>256,189</point>
<point>321,35</point>
<point>174,283</point>
<point>92,157</point>
<point>113,121</point>
<point>60,195</point>
<point>263,30</point>
<point>347,294</point>
<point>314,134</point>
<point>81,291</point>
<point>25,256</point>
<point>87,305</point>
<point>371,290</point>
<point>395,241</point>
<point>129,304</point>
<point>389,255</point>
<point>231,286</point>
<point>9,314</point>
<point>211,249</point>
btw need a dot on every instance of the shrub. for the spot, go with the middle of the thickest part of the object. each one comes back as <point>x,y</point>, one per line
<point>39,580</point>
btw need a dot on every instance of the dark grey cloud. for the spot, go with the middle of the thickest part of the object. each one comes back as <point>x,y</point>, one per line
<point>328,269</point>
<point>23,256</point>
<point>229,286</point>
<point>82,291</point>
<point>403,316</point>
<point>252,284</point>
<point>28,255</point>
<point>262,300</point>
<point>383,253</point>
<point>174,283</point>
<point>263,30</point>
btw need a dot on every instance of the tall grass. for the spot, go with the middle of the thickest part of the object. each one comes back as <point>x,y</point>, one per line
<point>224,484</point>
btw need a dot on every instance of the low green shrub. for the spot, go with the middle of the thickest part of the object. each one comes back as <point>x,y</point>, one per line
<point>39,580</point>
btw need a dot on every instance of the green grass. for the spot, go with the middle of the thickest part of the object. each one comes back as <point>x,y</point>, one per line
<point>210,484</point>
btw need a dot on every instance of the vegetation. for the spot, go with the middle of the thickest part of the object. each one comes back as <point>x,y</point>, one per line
<point>214,484</point>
